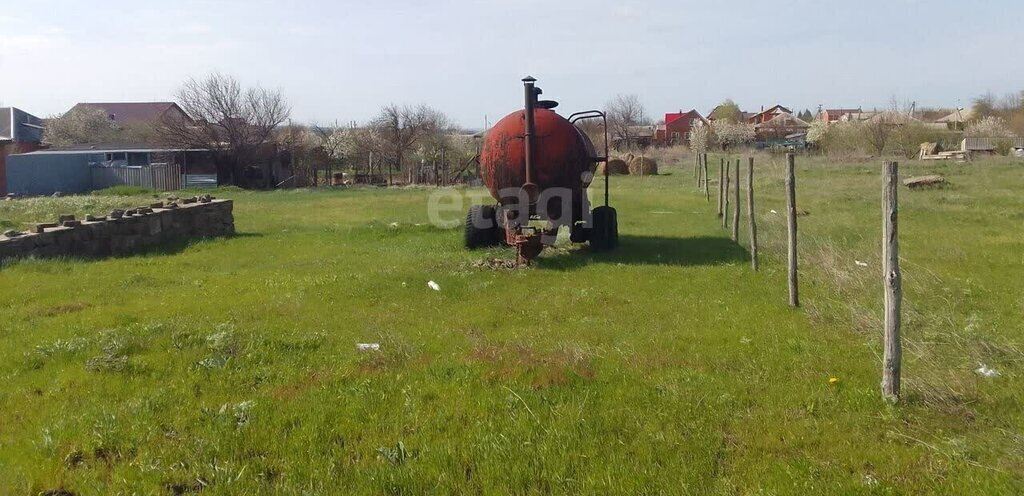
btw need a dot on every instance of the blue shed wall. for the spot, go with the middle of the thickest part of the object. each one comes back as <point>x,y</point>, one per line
<point>45,174</point>
<point>23,133</point>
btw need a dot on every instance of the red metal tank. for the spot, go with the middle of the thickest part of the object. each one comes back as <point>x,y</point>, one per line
<point>564,157</point>
<point>538,165</point>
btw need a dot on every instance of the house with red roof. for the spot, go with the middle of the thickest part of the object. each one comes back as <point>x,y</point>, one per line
<point>677,127</point>
<point>766,115</point>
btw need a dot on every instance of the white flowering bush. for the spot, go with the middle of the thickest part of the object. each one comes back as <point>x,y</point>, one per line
<point>731,134</point>
<point>988,127</point>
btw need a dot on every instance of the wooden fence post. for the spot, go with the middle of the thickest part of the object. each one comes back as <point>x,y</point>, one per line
<point>736,207</point>
<point>750,214</point>
<point>721,184</point>
<point>697,171</point>
<point>725,194</point>
<point>893,354</point>
<point>707,192</point>
<point>794,292</point>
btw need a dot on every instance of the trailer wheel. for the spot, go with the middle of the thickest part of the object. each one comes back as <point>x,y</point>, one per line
<point>605,232</point>
<point>481,227</point>
<point>579,232</point>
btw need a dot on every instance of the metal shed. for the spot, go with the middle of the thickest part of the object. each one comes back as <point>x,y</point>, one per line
<point>81,170</point>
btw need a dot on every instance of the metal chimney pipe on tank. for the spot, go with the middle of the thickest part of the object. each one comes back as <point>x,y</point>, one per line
<point>530,93</point>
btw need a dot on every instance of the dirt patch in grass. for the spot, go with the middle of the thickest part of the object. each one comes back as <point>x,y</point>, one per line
<point>296,388</point>
<point>498,264</point>
<point>178,488</point>
<point>65,308</point>
<point>542,369</point>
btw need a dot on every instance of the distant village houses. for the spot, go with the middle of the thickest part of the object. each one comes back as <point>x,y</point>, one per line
<point>677,127</point>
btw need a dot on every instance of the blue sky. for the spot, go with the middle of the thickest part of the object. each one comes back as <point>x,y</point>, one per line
<point>343,60</point>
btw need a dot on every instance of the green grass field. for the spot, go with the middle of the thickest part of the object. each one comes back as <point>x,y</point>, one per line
<point>229,366</point>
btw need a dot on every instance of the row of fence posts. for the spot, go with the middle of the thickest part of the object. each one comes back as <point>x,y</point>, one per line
<point>725,209</point>
<point>893,292</point>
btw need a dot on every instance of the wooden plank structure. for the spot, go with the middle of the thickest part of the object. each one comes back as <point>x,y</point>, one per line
<point>924,181</point>
<point>976,144</point>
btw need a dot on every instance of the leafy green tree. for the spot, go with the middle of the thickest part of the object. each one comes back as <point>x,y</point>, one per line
<point>727,111</point>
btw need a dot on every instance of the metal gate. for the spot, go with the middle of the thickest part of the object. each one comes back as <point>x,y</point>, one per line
<point>161,177</point>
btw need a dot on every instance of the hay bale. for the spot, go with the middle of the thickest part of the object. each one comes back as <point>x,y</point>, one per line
<point>616,167</point>
<point>643,166</point>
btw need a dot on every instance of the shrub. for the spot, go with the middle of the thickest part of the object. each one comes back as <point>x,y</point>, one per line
<point>842,139</point>
<point>988,127</point>
<point>906,140</point>
<point>1003,145</point>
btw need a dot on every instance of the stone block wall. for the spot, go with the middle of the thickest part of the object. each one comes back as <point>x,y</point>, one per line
<point>122,232</point>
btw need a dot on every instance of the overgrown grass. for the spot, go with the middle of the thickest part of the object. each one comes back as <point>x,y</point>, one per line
<point>22,213</point>
<point>125,190</point>
<point>665,367</point>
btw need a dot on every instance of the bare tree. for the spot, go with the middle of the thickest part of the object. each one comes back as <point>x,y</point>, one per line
<point>877,131</point>
<point>625,113</point>
<point>331,141</point>
<point>229,119</point>
<point>303,153</point>
<point>401,127</point>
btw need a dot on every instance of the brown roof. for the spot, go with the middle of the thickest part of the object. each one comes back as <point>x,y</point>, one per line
<point>125,112</point>
<point>771,110</point>
<point>958,116</point>
<point>784,119</point>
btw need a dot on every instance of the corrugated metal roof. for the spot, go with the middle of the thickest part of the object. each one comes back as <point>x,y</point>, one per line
<point>90,151</point>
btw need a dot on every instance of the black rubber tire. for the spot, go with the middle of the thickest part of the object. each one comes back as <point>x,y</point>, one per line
<point>579,233</point>
<point>605,232</point>
<point>482,228</point>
